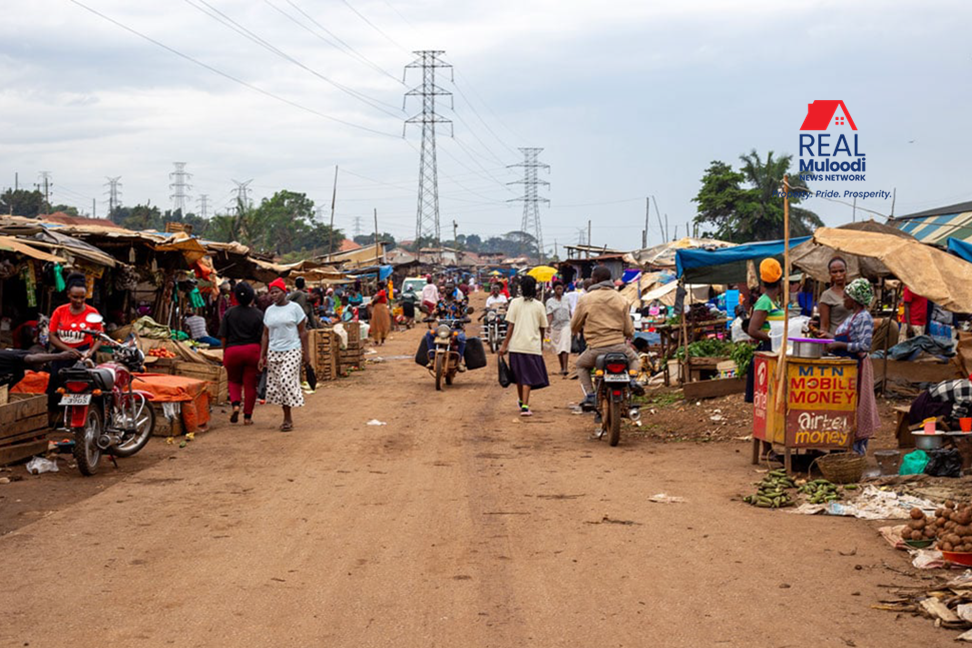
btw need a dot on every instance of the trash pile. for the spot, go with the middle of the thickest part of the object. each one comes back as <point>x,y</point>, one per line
<point>948,603</point>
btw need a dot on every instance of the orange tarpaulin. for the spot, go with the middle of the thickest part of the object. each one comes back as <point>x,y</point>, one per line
<point>163,388</point>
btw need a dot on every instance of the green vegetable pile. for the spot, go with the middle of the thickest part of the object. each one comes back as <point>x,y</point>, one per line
<point>821,491</point>
<point>708,348</point>
<point>772,491</point>
<point>742,355</point>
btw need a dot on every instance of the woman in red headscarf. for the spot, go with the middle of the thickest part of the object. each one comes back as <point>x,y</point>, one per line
<point>380,317</point>
<point>283,350</point>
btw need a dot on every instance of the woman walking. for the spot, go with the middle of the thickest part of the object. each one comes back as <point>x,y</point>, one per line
<point>853,340</point>
<point>558,318</point>
<point>241,331</point>
<point>380,318</point>
<point>283,349</point>
<point>526,319</point>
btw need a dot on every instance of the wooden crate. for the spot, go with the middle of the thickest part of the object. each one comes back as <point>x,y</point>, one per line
<point>215,375</point>
<point>23,427</point>
<point>323,350</point>
<point>163,426</point>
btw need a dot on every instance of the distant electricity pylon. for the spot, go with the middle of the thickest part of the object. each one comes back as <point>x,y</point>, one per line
<point>427,215</point>
<point>357,226</point>
<point>114,194</point>
<point>180,185</point>
<point>45,185</point>
<point>531,199</point>
<point>203,201</point>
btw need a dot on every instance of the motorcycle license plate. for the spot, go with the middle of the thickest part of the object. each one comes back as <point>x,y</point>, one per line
<point>76,399</point>
<point>618,378</point>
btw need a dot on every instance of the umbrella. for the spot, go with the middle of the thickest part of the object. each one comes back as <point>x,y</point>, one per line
<point>495,273</point>
<point>543,273</point>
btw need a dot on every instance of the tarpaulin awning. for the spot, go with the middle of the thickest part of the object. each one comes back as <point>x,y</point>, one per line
<point>927,271</point>
<point>383,271</point>
<point>11,244</point>
<point>663,255</point>
<point>192,249</point>
<point>935,226</point>
<point>814,259</point>
<point>726,265</point>
<point>960,248</point>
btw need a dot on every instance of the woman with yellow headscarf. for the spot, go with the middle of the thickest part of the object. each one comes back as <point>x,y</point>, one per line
<point>768,309</point>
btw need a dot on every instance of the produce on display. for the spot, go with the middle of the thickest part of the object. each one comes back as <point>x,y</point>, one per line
<point>771,492</point>
<point>821,491</point>
<point>951,525</point>
<point>161,352</point>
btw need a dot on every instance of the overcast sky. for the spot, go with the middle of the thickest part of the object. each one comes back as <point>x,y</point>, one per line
<point>627,98</point>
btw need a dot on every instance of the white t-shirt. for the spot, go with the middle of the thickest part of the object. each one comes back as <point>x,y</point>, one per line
<point>282,323</point>
<point>528,317</point>
<point>498,300</point>
<point>430,293</point>
<point>572,298</point>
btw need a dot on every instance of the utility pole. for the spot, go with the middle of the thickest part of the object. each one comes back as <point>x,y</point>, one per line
<point>203,205</point>
<point>854,213</point>
<point>427,214</point>
<point>644,232</point>
<point>180,185</point>
<point>93,211</point>
<point>114,194</point>
<point>45,182</point>
<point>16,181</point>
<point>588,255</point>
<point>661,228</point>
<point>330,243</point>
<point>377,248</point>
<point>666,227</point>
<point>530,198</point>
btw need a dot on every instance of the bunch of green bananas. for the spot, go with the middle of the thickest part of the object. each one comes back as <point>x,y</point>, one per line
<point>771,492</point>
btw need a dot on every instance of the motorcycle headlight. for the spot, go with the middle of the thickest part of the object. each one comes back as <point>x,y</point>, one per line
<point>490,316</point>
<point>443,331</point>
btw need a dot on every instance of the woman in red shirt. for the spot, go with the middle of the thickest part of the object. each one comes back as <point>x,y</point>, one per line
<point>67,321</point>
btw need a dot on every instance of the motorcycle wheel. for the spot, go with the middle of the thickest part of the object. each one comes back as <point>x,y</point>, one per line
<point>493,343</point>
<point>86,451</point>
<point>438,371</point>
<point>144,426</point>
<point>614,423</point>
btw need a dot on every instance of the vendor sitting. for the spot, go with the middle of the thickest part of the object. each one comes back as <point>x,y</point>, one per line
<point>15,362</point>
<point>196,324</point>
<point>853,340</point>
<point>950,400</point>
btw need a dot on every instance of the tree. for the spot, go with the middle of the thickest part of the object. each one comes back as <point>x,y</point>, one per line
<point>754,213</point>
<point>21,202</point>
<point>65,209</point>
<point>369,239</point>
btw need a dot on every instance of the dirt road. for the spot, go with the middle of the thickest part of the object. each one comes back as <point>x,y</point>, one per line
<point>455,524</point>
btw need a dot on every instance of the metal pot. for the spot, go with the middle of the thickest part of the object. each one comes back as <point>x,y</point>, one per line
<point>928,441</point>
<point>805,348</point>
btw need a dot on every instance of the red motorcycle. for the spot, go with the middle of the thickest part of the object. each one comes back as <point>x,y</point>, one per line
<point>102,410</point>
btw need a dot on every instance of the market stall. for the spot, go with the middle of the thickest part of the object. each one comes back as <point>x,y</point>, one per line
<point>816,411</point>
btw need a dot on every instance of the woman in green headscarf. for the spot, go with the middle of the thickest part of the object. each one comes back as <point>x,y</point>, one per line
<point>853,340</point>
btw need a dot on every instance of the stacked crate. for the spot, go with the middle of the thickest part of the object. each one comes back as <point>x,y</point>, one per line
<point>23,427</point>
<point>215,377</point>
<point>324,353</point>
<point>353,356</point>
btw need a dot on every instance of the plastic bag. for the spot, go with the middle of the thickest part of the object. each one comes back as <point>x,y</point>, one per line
<point>944,463</point>
<point>39,465</point>
<point>505,373</point>
<point>913,463</point>
<point>262,385</point>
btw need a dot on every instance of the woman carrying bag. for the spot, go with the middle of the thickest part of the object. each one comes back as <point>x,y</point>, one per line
<point>526,319</point>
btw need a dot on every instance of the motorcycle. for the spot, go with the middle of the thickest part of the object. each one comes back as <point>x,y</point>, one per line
<point>444,355</point>
<point>495,325</point>
<point>613,389</point>
<point>101,409</point>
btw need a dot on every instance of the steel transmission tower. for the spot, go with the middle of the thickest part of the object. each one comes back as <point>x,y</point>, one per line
<point>180,185</point>
<point>204,205</point>
<point>46,183</point>
<point>427,216</point>
<point>531,199</point>
<point>114,194</point>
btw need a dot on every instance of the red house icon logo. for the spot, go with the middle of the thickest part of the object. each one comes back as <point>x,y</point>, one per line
<point>821,115</point>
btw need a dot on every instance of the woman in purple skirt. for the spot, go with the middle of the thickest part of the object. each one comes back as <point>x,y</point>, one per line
<point>526,318</point>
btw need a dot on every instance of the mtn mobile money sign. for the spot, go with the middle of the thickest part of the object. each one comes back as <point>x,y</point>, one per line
<point>831,151</point>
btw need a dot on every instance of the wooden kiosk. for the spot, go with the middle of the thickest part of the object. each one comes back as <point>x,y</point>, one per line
<point>819,406</point>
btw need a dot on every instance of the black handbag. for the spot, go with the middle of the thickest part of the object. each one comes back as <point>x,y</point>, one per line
<point>311,376</point>
<point>505,373</point>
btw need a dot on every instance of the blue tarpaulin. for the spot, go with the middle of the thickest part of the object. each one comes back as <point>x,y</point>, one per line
<point>630,275</point>
<point>383,272</point>
<point>960,248</point>
<point>726,265</point>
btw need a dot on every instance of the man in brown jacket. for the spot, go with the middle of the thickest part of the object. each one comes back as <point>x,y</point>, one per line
<point>602,315</point>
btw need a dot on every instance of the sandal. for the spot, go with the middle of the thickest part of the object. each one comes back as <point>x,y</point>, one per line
<point>235,416</point>
<point>247,420</point>
<point>286,427</point>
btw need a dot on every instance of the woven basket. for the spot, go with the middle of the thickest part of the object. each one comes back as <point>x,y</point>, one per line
<point>842,467</point>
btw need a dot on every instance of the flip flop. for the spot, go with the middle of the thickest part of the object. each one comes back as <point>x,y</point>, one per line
<point>247,421</point>
<point>235,416</point>
<point>287,427</point>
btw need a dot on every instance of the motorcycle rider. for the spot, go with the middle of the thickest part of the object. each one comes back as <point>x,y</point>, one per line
<point>602,316</point>
<point>450,307</point>
<point>496,299</point>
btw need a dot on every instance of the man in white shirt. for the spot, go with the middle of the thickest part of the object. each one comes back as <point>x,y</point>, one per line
<point>496,299</point>
<point>430,295</point>
<point>574,295</point>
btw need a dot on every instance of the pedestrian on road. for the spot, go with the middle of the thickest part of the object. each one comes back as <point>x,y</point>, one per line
<point>241,331</point>
<point>558,317</point>
<point>380,318</point>
<point>283,349</point>
<point>526,320</point>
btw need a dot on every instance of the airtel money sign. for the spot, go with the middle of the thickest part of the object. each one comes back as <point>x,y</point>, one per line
<point>833,153</point>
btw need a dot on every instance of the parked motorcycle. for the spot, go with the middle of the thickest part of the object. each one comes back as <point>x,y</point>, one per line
<point>613,390</point>
<point>494,322</point>
<point>102,410</point>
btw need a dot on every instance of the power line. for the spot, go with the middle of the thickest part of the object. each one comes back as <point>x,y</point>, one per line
<point>344,48</point>
<point>480,118</point>
<point>374,26</point>
<point>225,75</point>
<point>228,22</point>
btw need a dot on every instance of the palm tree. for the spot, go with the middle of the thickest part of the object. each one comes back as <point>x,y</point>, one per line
<point>761,213</point>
